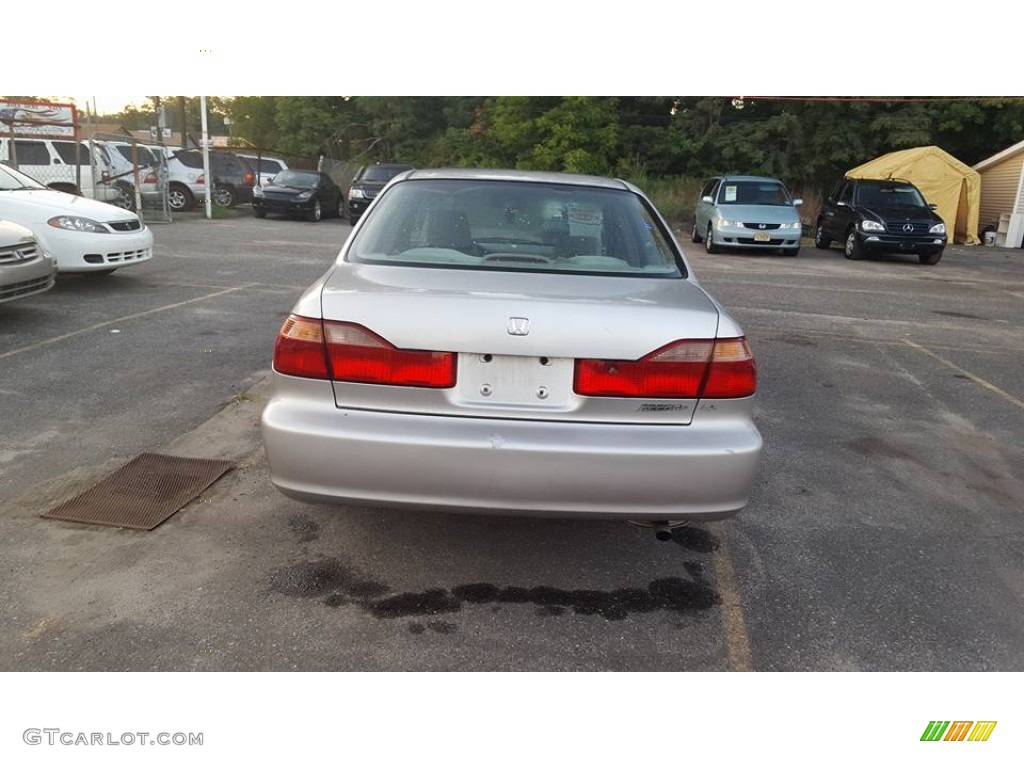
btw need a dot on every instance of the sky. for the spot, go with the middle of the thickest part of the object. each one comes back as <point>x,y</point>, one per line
<point>458,47</point>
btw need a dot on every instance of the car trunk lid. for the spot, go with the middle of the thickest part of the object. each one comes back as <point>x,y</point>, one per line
<point>517,337</point>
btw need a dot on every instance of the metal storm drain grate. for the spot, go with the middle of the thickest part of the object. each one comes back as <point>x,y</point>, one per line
<point>143,493</point>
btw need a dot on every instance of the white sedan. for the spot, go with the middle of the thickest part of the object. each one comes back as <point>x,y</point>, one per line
<point>83,235</point>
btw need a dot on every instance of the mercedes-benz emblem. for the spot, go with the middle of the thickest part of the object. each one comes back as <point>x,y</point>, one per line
<point>908,227</point>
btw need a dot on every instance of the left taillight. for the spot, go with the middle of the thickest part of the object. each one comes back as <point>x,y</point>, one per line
<point>686,369</point>
<point>316,349</point>
<point>249,179</point>
<point>359,355</point>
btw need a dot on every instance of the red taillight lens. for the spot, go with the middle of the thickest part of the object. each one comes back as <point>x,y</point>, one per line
<point>299,350</point>
<point>725,368</point>
<point>732,372</point>
<point>248,179</point>
<point>150,178</point>
<point>359,355</point>
<point>201,179</point>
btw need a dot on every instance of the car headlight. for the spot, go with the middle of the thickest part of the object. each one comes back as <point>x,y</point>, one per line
<point>76,224</point>
<point>937,229</point>
<point>304,195</point>
<point>871,226</point>
<point>356,194</point>
<point>792,225</point>
<point>726,223</point>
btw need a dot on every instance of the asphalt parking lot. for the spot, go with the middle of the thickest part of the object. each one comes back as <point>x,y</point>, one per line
<point>885,532</point>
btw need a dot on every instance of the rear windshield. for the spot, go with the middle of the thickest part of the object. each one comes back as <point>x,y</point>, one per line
<point>753,193</point>
<point>382,172</point>
<point>145,156</point>
<point>521,226</point>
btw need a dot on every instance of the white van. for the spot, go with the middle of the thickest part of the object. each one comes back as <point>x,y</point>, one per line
<point>64,165</point>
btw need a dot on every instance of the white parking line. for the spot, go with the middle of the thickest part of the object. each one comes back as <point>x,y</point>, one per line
<point>976,379</point>
<point>123,318</point>
<point>737,641</point>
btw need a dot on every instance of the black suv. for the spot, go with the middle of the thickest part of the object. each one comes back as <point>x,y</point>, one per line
<point>880,215</point>
<point>368,183</point>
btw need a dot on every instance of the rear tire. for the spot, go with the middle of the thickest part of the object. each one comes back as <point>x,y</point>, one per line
<point>224,197</point>
<point>853,249</point>
<point>125,196</point>
<point>930,258</point>
<point>709,240</point>
<point>180,198</point>
<point>820,241</point>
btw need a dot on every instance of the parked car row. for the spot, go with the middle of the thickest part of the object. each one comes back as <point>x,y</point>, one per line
<point>864,215</point>
<point>106,171</point>
<point>44,231</point>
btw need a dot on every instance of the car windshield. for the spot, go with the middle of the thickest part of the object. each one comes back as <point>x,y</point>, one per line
<point>379,173</point>
<point>753,193</point>
<point>300,179</point>
<point>12,179</point>
<point>521,226</point>
<point>889,196</point>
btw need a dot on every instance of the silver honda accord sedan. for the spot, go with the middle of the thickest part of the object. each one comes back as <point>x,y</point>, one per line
<point>513,343</point>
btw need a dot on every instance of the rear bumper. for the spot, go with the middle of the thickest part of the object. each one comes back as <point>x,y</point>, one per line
<point>318,452</point>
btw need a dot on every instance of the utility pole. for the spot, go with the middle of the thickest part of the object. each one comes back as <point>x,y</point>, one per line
<point>206,159</point>
<point>183,124</point>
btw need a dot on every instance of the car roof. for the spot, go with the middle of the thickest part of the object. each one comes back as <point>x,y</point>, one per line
<point>544,177</point>
<point>750,178</point>
<point>879,181</point>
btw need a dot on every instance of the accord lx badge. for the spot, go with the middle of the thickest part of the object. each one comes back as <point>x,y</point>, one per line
<point>519,326</point>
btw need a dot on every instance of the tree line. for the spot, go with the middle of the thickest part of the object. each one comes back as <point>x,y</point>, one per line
<point>807,142</point>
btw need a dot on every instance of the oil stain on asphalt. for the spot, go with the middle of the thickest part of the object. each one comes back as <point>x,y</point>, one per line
<point>339,585</point>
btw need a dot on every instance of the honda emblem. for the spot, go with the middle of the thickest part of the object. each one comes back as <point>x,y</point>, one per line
<point>519,326</point>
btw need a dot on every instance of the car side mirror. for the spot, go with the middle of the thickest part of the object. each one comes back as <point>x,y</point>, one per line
<point>707,199</point>
<point>932,206</point>
<point>270,180</point>
<point>798,201</point>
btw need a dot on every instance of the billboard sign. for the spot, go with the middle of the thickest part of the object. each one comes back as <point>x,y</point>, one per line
<point>38,118</point>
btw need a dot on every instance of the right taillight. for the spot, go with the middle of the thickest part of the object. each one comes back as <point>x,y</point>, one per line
<point>687,369</point>
<point>732,372</point>
<point>315,349</point>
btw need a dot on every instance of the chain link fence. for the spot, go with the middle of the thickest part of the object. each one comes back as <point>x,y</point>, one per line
<point>136,171</point>
<point>110,168</point>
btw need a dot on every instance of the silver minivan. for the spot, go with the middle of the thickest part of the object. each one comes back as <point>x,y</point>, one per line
<point>747,212</point>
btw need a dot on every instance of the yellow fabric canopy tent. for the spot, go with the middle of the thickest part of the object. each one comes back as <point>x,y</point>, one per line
<point>953,186</point>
